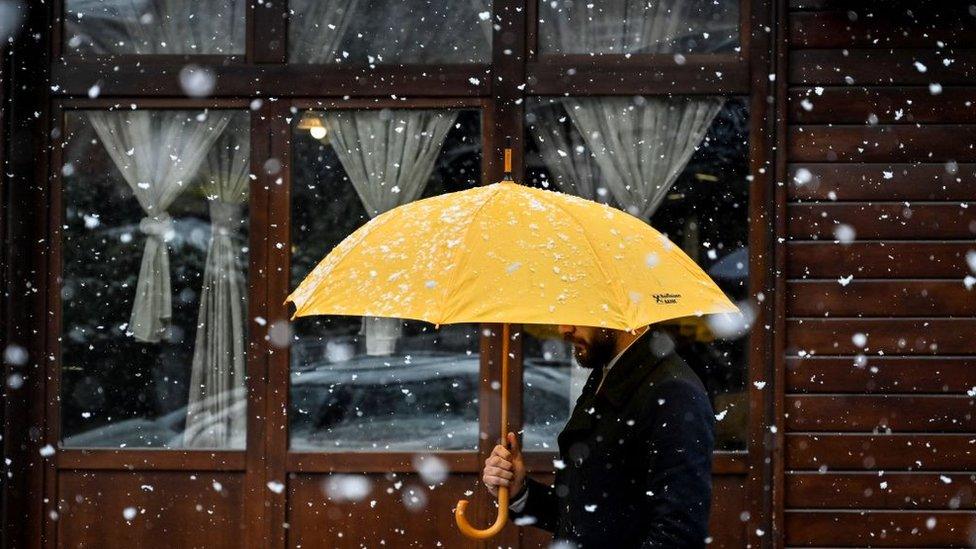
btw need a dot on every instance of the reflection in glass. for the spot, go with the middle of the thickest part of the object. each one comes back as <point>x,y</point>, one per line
<point>182,27</point>
<point>368,383</point>
<point>680,163</point>
<point>155,265</point>
<point>378,32</point>
<point>621,27</point>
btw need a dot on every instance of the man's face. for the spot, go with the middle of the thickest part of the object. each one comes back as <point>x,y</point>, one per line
<point>593,347</point>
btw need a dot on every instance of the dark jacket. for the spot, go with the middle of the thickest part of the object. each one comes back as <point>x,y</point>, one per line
<point>635,459</point>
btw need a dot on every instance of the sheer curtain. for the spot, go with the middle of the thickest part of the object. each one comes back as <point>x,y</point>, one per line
<point>388,156</point>
<point>564,152</point>
<point>214,418</point>
<point>158,26</point>
<point>158,153</point>
<point>317,27</point>
<point>642,146</point>
<point>618,27</point>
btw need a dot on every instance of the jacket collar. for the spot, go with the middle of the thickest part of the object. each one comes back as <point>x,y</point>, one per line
<point>630,371</point>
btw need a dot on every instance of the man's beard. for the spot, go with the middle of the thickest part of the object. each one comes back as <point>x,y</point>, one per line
<point>598,353</point>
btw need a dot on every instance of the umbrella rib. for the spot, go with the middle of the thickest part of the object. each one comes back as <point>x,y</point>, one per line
<point>599,265</point>
<point>451,288</point>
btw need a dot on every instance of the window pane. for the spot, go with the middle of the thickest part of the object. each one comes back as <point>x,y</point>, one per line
<point>182,27</point>
<point>154,296</point>
<point>367,383</point>
<point>620,27</point>
<point>681,163</point>
<point>379,32</point>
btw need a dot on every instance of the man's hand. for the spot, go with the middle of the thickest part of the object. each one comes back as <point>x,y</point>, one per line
<point>504,467</point>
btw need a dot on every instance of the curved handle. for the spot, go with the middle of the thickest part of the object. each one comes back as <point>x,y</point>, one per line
<point>465,527</point>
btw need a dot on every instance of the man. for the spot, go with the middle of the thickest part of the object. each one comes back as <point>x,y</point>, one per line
<point>634,466</point>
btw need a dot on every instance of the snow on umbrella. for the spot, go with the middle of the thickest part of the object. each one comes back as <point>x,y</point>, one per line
<point>506,253</point>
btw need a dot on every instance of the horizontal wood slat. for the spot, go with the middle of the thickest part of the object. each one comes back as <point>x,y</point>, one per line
<point>869,67</point>
<point>878,259</point>
<point>884,452</point>
<point>876,221</point>
<point>915,181</point>
<point>880,298</point>
<point>860,413</point>
<point>814,490</point>
<point>150,460</point>
<point>892,336</point>
<point>881,105</point>
<point>874,374</point>
<point>879,28</point>
<point>878,528</point>
<point>931,143</point>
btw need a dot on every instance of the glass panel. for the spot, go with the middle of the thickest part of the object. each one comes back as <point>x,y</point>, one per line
<point>154,296</point>
<point>181,27</point>
<point>682,164</point>
<point>366,383</point>
<point>621,27</point>
<point>379,32</point>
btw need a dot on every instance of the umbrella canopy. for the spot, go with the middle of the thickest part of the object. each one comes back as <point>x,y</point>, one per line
<point>507,253</point>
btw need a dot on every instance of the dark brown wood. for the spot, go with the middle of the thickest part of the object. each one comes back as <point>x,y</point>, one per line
<point>881,105</point>
<point>880,298</point>
<point>901,182</point>
<point>881,27</point>
<point>276,143</point>
<point>814,490</point>
<point>415,513</point>
<point>160,79</point>
<point>616,75</point>
<point>114,509</point>
<point>878,528</point>
<point>267,24</point>
<point>256,483</point>
<point>884,375</point>
<point>856,452</point>
<point>151,460</point>
<point>895,336</point>
<point>892,259</point>
<point>378,462</point>
<point>883,221</point>
<point>933,143</point>
<point>867,67</point>
<point>881,413</point>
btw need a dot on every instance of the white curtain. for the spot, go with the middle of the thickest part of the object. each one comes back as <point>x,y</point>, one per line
<point>218,368</point>
<point>564,152</point>
<point>617,27</point>
<point>642,145</point>
<point>158,26</point>
<point>388,156</point>
<point>158,153</point>
<point>317,27</point>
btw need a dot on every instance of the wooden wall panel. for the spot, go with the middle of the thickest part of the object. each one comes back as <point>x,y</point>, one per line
<point>891,259</point>
<point>413,514</point>
<point>880,298</point>
<point>887,181</point>
<point>879,528</point>
<point>815,490</point>
<point>881,374</point>
<point>879,306</point>
<point>150,509</point>
<point>882,221</point>
<point>873,452</point>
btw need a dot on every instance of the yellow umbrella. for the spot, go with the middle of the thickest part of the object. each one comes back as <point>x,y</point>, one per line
<point>507,253</point>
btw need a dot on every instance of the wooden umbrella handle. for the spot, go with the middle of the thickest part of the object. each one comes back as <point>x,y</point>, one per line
<point>462,521</point>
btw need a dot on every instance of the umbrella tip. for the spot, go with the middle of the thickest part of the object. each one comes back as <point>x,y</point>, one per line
<point>507,176</point>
